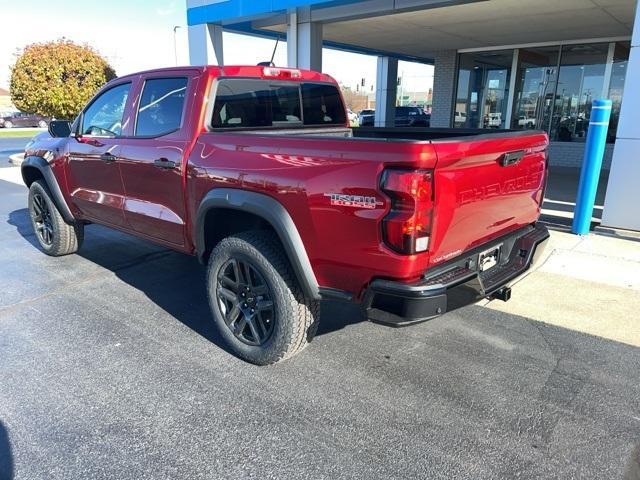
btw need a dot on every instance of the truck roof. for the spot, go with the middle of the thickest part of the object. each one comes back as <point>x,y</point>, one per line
<point>254,71</point>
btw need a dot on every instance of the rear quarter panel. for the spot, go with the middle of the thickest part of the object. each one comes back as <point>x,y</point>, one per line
<point>343,243</point>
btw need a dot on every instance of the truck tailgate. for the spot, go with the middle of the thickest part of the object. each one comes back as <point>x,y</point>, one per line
<point>484,187</point>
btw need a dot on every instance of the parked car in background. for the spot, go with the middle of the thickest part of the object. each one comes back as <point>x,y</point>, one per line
<point>460,118</point>
<point>22,119</point>
<point>412,117</point>
<point>353,117</point>
<point>405,117</point>
<point>527,122</point>
<point>493,120</point>
<point>366,117</point>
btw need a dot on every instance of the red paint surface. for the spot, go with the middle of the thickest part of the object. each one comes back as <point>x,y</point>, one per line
<point>475,198</point>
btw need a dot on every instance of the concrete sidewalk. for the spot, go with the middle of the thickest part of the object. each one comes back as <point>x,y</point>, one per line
<point>590,284</point>
<point>11,174</point>
<point>16,159</point>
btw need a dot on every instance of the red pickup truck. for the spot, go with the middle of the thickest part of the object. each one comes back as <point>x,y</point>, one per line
<point>254,170</point>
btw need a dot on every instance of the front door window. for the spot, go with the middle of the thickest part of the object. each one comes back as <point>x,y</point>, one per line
<point>103,118</point>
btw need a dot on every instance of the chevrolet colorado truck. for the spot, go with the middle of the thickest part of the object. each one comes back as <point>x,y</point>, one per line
<point>254,170</point>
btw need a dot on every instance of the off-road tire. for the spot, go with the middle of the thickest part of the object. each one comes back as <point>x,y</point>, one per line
<point>65,238</point>
<point>296,316</point>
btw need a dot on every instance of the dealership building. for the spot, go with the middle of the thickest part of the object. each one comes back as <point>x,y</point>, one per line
<point>519,64</point>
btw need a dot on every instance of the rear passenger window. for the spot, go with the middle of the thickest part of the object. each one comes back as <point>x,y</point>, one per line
<point>254,103</point>
<point>322,105</point>
<point>161,106</point>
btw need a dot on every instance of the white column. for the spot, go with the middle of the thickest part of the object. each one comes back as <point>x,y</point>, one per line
<point>205,44</point>
<point>622,201</point>
<point>304,43</point>
<point>292,39</point>
<point>608,70</point>
<point>512,87</point>
<point>386,89</point>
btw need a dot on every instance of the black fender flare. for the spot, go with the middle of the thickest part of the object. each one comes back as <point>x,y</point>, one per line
<point>271,211</point>
<point>33,161</point>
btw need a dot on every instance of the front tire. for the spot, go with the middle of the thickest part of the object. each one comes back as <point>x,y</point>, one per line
<point>55,236</point>
<point>8,124</point>
<point>42,124</point>
<point>256,301</point>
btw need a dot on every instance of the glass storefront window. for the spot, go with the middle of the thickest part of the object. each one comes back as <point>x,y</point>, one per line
<point>554,88</point>
<point>535,87</point>
<point>616,85</point>
<point>581,79</point>
<point>483,89</point>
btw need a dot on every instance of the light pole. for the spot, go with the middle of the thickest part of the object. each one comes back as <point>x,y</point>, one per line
<point>175,43</point>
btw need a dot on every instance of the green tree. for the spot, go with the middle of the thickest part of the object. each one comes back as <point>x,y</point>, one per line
<point>56,79</point>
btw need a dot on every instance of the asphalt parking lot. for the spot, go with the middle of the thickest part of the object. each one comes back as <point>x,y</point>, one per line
<point>110,368</point>
<point>9,146</point>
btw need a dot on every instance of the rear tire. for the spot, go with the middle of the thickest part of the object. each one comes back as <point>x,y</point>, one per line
<point>284,320</point>
<point>55,236</point>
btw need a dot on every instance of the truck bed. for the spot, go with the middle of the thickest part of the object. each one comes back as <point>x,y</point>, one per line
<point>476,198</point>
<point>418,133</point>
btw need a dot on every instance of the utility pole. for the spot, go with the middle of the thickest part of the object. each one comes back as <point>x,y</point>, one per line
<point>175,43</point>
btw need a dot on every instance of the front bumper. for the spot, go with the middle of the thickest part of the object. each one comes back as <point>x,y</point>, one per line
<point>456,283</point>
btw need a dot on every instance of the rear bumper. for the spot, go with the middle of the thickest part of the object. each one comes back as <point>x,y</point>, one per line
<point>456,283</point>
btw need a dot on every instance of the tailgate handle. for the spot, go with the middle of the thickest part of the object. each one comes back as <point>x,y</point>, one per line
<point>511,158</point>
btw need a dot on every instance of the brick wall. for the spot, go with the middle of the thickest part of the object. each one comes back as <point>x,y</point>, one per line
<point>444,76</point>
<point>570,154</point>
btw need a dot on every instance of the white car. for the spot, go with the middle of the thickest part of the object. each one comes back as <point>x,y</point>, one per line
<point>494,120</point>
<point>353,117</point>
<point>527,122</point>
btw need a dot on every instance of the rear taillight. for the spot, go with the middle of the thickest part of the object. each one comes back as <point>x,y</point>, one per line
<point>407,226</point>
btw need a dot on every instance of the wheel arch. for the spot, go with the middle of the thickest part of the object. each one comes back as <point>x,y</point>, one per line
<point>35,168</point>
<point>258,211</point>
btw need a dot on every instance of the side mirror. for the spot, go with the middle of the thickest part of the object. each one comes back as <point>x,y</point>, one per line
<point>59,128</point>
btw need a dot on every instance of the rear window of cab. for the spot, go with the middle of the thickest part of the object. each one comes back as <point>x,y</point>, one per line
<point>242,103</point>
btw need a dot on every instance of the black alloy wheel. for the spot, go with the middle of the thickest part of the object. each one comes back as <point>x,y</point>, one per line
<point>42,219</point>
<point>245,301</point>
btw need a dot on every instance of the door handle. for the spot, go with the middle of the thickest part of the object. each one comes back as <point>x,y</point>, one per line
<point>108,157</point>
<point>164,163</point>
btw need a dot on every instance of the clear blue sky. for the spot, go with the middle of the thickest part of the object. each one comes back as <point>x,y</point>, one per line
<point>138,34</point>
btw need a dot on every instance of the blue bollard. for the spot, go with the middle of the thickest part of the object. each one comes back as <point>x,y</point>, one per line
<point>591,165</point>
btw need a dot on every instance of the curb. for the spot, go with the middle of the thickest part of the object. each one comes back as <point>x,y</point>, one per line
<point>616,233</point>
<point>16,159</point>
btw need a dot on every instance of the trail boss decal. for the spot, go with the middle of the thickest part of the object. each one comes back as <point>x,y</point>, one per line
<point>356,201</point>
